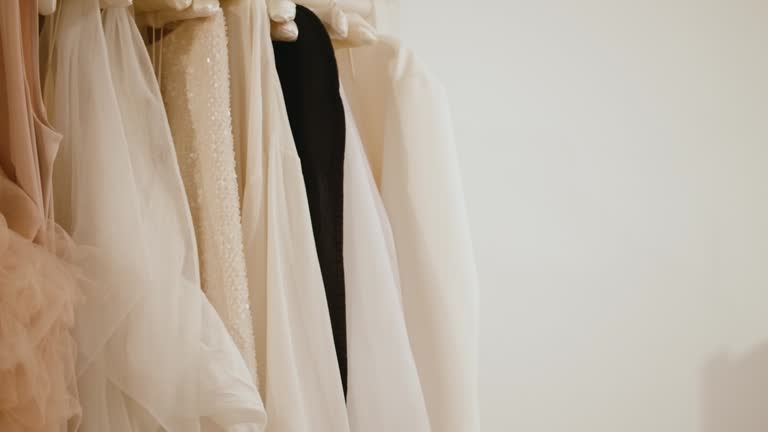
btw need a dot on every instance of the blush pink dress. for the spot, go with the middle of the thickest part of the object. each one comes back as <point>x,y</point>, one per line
<point>38,287</point>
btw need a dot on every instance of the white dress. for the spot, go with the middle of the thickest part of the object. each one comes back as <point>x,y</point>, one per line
<point>154,355</point>
<point>299,373</point>
<point>195,85</point>
<point>384,389</point>
<point>404,122</point>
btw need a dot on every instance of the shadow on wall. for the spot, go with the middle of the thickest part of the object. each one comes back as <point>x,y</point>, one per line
<point>734,392</point>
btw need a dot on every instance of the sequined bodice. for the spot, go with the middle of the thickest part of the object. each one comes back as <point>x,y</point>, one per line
<point>195,86</point>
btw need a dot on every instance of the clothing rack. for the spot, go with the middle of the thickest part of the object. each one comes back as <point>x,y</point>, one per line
<point>249,232</point>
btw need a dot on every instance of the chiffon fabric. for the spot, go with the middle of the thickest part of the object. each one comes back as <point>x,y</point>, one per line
<point>154,355</point>
<point>39,287</point>
<point>299,375</point>
<point>404,121</point>
<point>194,80</point>
<point>384,389</point>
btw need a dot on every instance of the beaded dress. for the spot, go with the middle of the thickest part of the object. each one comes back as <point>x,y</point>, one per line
<point>195,86</point>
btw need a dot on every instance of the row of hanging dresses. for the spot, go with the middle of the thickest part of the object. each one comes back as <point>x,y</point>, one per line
<point>153,352</point>
<point>382,377</point>
<point>254,221</point>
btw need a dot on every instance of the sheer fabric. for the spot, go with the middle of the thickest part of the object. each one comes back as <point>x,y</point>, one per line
<point>195,85</point>
<point>154,355</point>
<point>38,292</point>
<point>38,286</point>
<point>404,122</point>
<point>384,390</point>
<point>299,374</point>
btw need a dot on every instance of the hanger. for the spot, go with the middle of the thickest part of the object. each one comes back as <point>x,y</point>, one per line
<point>282,26</point>
<point>360,33</point>
<point>335,20</point>
<point>333,17</point>
<point>46,7</point>
<point>345,20</point>
<point>284,31</point>
<point>142,6</point>
<point>198,9</point>
<point>281,11</point>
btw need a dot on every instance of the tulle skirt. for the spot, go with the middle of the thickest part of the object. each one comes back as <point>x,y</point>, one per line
<point>38,295</point>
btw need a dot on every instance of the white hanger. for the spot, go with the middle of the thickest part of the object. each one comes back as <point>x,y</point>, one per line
<point>142,6</point>
<point>342,18</point>
<point>284,31</point>
<point>46,7</point>
<point>336,20</point>
<point>198,9</point>
<point>281,11</point>
<point>332,16</point>
<point>282,26</point>
<point>360,7</point>
<point>360,33</point>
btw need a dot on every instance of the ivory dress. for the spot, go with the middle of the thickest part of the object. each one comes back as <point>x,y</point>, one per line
<point>38,287</point>
<point>403,117</point>
<point>384,389</point>
<point>195,86</point>
<point>154,354</point>
<point>299,374</point>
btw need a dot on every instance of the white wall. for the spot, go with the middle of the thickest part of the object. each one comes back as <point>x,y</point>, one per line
<point>615,158</point>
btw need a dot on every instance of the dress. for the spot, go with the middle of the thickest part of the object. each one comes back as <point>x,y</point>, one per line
<point>310,83</point>
<point>299,375</point>
<point>154,355</point>
<point>404,121</point>
<point>384,389</point>
<point>195,87</point>
<point>38,286</point>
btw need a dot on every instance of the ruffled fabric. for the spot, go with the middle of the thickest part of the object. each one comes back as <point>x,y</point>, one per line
<point>38,292</point>
<point>153,355</point>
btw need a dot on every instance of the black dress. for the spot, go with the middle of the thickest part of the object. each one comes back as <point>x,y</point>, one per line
<point>310,82</point>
